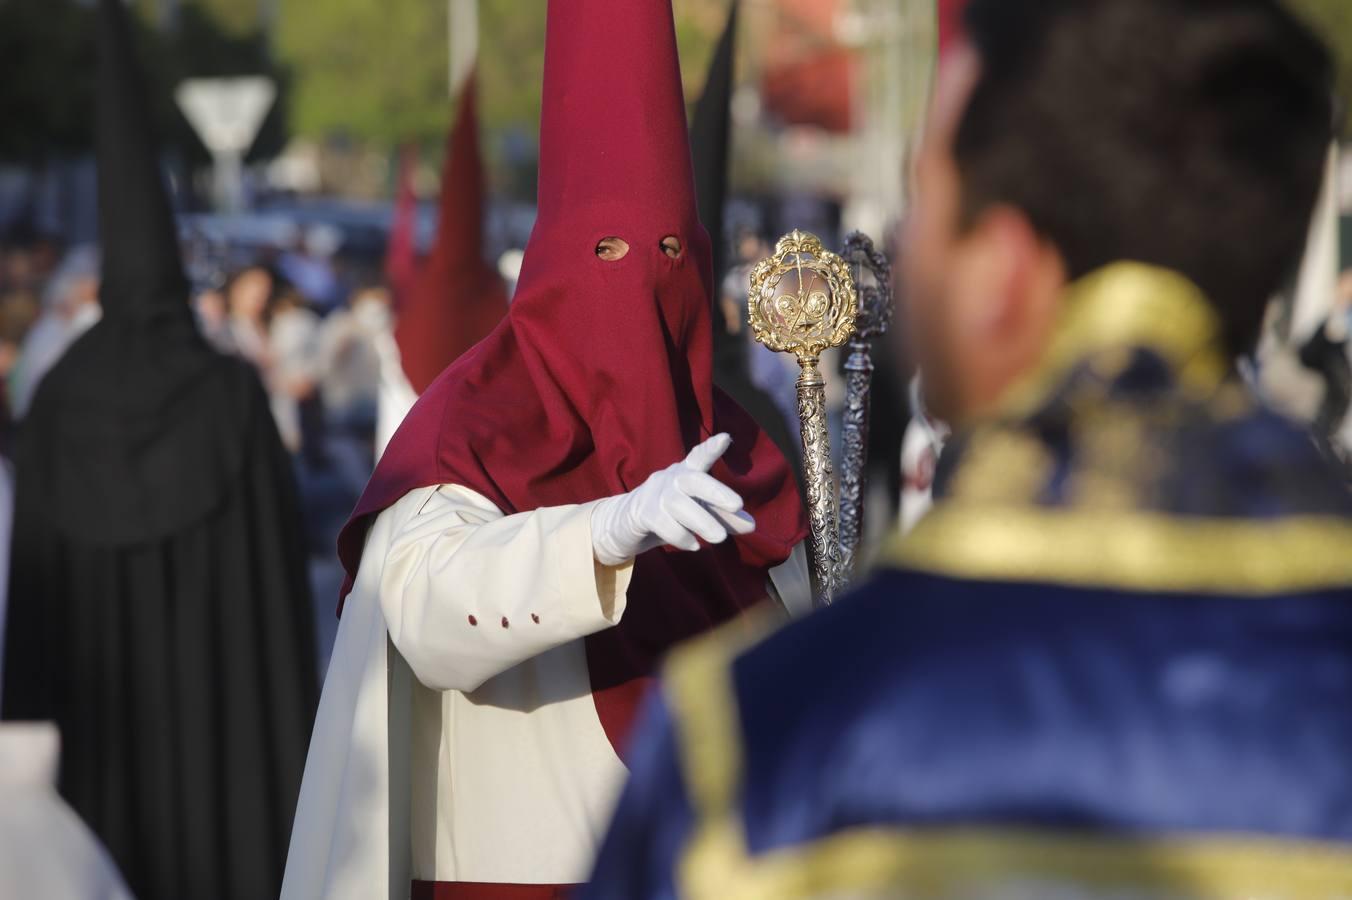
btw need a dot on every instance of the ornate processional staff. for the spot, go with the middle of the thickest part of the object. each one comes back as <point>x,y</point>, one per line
<point>873,283</point>
<point>802,301</point>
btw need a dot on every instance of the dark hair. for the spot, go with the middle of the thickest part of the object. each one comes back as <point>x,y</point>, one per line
<point>1190,134</point>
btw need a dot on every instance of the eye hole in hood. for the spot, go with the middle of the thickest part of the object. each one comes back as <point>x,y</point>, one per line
<point>612,249</point>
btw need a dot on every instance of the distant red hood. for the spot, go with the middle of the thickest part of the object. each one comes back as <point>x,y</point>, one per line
<point>456,298</point>
<point>950,22</point>
<point>401,253</point>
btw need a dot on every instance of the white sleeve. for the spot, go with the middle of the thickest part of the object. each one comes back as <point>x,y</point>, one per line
<point>468,593</point>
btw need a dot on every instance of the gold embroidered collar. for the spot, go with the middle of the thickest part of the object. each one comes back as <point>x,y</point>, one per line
<point>991,528</point>
<point>1127,306</point>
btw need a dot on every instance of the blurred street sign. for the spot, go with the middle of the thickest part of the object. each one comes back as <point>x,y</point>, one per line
<point>226,113</point>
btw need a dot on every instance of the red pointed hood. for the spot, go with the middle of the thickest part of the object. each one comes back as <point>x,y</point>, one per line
<point>457,298</point>
<point>950,22</point>
<point>629,341</point>
<point>401,253</point>
<point>601,373</point>
<point>613,122</point>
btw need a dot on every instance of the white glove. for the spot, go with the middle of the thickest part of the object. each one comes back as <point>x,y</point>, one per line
<point>675,506</point>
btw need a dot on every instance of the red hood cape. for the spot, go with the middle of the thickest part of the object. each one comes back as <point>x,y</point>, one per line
<point>601,373</point>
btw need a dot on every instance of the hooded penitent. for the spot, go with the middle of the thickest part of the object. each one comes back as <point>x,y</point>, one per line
<point>601,373</point>
<point>159,608</point>
<point>132,388</point>
<point>457,298</point>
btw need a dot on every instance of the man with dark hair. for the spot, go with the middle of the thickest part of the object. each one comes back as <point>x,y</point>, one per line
<point>1113,661</point>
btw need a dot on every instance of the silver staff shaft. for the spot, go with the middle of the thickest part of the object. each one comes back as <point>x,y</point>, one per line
<point>821,493</point>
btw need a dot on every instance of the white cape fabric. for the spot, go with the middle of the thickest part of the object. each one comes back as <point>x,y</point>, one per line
<point>515,779</point>
<point>45,850</point>
<point>342,835</point>
<point>357,798</point>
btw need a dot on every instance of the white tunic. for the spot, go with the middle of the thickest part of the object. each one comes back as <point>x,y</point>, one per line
<point>475,752</point>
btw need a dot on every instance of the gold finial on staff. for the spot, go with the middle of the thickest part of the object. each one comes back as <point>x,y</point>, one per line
<point>802,301</point>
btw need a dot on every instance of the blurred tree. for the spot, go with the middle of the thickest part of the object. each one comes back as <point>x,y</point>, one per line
<point>1333,20</point>
<point>370,70</point>
<point>47,55</point>
<point>46,95</point>
<point>203,46</point>
<point>377,70</point>
<point>237,17</point>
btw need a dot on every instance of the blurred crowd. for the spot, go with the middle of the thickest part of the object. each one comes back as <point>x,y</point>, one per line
<point>317,323</point>
<point>314,322</point>
<point>309,321</point>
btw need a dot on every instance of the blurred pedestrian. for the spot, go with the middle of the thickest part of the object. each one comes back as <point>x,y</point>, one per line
<point>213,319</point>
<point>158,607</point>
<point>349,361</point>
<point>248,298</point>
<point>921,449</point>
<point>292,371</point>
<point>308,265</point>
<point>70,307</point>
<point>18,311</point>
<point>271,325</point>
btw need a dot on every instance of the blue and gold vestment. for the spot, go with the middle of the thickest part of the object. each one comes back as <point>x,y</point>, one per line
<point>1114,662</point>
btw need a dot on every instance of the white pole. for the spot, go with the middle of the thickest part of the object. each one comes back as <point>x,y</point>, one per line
<point>1318,282</point>
<point>462,22</point>
<point>229,172</point>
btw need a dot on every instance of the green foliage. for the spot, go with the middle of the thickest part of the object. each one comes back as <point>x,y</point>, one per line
<point>372,71</point>
<point>1333,20</point>
<point>46,94</point>
<point>511,63</point>
<point>237,17</point>
<point>377,70</point>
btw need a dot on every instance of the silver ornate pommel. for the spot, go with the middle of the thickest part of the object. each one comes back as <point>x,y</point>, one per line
<point>873,283</point>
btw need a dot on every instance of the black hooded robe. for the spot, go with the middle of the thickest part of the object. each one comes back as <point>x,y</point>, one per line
<point>179,666</point>
<point>159,611</point>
